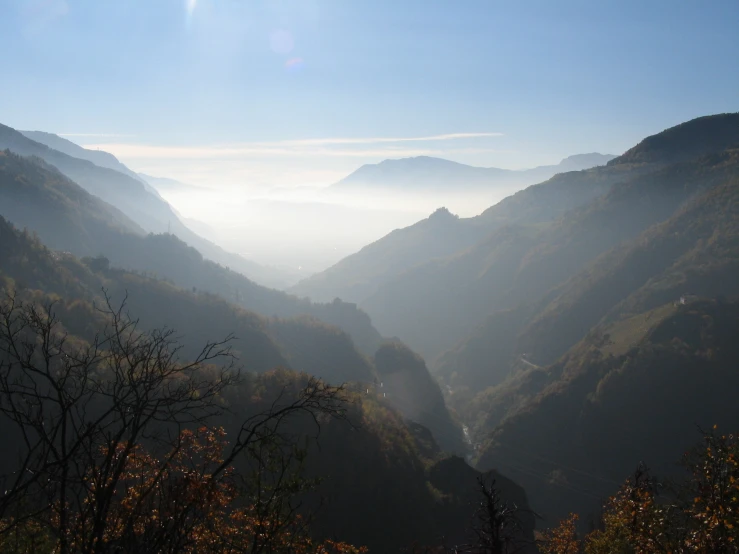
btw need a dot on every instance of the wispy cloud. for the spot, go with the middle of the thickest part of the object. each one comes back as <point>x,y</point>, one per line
<point>379,140</point>
<point>190,6</point>
<point>341,146</point>
<point>99,135</point>
<point>37,15</point>
<point>189,9</point>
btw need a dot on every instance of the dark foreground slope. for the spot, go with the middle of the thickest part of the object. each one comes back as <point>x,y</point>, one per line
<point>384,481</point>
<point>580,426</point>
<point>384,490</point>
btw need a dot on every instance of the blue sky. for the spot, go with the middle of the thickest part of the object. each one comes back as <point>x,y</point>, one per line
<point>240,92</point>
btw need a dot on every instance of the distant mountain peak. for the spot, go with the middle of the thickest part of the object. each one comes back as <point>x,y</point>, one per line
<point>442,214</point>
<point>588,155</point>
<point>430,173</point>
<point>413,163</point>
<point>417,161</point>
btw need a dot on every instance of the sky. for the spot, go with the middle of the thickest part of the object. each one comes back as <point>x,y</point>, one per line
<point>253,94</point>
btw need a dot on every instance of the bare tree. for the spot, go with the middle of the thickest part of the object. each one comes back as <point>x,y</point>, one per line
<point>79,416</point>
<point>497,526</point>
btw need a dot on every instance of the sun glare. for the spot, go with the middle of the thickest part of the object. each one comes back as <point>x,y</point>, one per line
<point>189,9</point>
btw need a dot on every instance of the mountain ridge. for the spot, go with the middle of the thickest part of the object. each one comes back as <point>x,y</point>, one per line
<point>131,196</point>
<point>71,148</point>
<point>334,341</point>
<point>431,173</point>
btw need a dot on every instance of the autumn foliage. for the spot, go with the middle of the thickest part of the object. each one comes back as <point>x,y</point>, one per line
<point>118,451</point>
<point>697,515</point>
<point>191,504</point>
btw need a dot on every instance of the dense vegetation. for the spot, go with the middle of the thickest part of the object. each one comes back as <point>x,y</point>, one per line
<point>303,342</point>
<point>522,261</point>
<point>394,466</point>
<point>585,327</point>
<point>406,384</point>
<point>534,382</point>
<point>697,513</point>
<point>633,392</point>
<point>114,446</point>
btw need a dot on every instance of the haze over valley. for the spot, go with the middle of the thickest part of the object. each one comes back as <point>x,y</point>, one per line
<point>303,229</point>
<point>324,277</point>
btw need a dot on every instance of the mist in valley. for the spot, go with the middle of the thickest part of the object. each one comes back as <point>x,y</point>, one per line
<point>303,230</point>
<point>328,277</point>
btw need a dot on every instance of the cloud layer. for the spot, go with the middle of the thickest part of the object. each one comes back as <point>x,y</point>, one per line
<point>332,147</point>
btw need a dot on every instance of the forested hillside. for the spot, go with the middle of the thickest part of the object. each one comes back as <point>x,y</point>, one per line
<point>357,276</point>
<point>690,253</point>
<point>67,218</point>
<point>636,392</point>
<point>36,196</point>
<point>339,277</point>
<point>395,465</point>
<point>539,275</point>
<point>616,364</point>
<point>522,261</point>
<point>615,275</point>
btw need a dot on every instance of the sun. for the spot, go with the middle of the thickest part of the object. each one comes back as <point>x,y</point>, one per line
<point>189,8</point>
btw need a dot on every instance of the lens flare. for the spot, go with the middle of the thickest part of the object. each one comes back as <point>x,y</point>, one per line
<point>189,9</point>
<point>281,41</point>
<point>294,64</point>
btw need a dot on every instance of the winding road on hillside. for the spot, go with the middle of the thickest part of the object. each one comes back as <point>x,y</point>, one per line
<point>528,363</point>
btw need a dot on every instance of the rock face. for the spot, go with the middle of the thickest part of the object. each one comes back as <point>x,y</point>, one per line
<point>407,386</point>
<point>453,477</point>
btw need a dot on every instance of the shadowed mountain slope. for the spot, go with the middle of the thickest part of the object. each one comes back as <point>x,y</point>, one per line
<point>70,218</point>
<point>131,196</point>
<point>522,263</point>
<point>67,218</point>
<point>374,467</point>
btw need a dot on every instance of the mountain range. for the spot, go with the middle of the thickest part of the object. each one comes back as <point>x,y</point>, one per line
<point>396,464</point>
<point>574,329</point>
<point>358,276</point>
<point>554,318</point>
<point>119,186</point>
<point>428,174</point>
<point>402,432</point>
<point>35,195</point>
